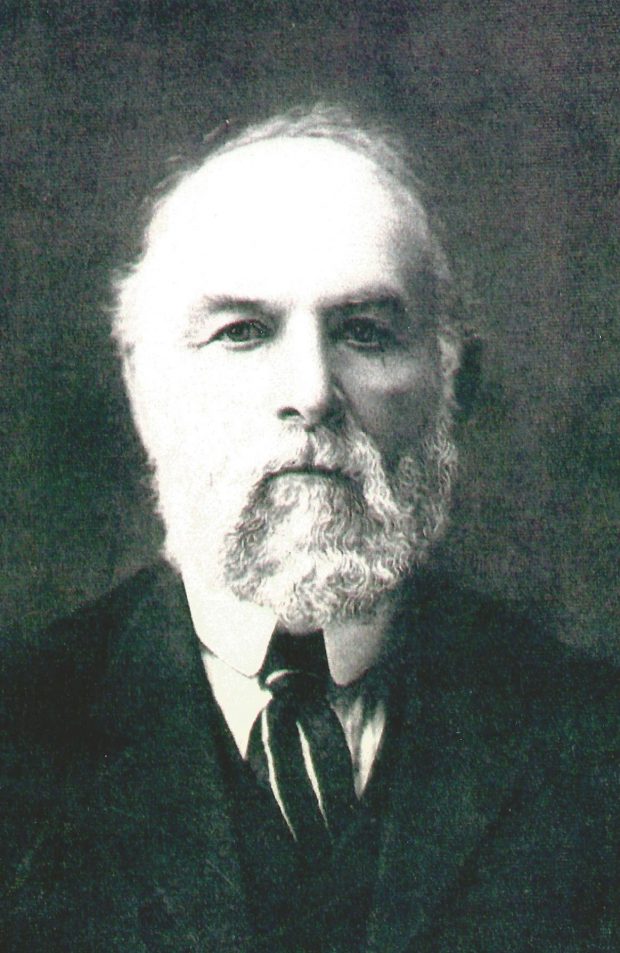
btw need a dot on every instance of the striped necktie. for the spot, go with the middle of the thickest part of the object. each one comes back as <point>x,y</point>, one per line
<point>297,744</point>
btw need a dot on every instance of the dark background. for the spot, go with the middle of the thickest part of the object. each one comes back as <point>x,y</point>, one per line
<point>514,108</point>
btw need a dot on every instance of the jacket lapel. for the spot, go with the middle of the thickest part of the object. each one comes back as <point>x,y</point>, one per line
<point>163,803</point>
<point>162,797</point>
<point>452,772</point>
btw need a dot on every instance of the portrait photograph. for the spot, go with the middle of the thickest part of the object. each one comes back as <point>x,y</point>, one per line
<point>309,354</point>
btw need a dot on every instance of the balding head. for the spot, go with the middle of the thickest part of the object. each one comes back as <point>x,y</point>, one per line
<point>253,175</point>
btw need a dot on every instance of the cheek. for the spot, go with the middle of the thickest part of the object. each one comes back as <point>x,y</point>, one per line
<point>203,415</point>
<point>397,411</point>
<point>173,402</point>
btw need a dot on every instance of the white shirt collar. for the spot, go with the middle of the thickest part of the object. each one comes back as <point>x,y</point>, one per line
<point>241,698</point>
<point>238,633</point>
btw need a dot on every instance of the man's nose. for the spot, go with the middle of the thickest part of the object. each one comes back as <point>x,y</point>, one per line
<point>309,392</point>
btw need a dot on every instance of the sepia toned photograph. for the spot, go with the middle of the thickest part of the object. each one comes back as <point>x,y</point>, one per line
<point>309,350</point>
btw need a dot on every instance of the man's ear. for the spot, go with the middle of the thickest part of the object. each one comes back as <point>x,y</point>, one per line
<point>450,359</point>
<point>129,371</point>
<point>450,354</point>
<point>129,376</point>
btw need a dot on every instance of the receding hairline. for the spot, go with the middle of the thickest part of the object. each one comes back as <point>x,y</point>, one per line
<point>286,172</point>
<point>325,121</point>
<point>387,153</point>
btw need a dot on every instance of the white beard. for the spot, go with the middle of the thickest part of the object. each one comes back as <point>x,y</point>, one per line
<point>314,547</point>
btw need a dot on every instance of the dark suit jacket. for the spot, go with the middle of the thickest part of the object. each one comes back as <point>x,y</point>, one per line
<point>499,833</point>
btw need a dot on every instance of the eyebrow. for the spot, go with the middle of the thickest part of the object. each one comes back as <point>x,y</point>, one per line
<point>403,313</point>
<point>380,296</point>
<point>228,304</point>
<point>392,302</point>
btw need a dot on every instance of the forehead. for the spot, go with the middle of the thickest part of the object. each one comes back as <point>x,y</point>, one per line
<point>287,218</point>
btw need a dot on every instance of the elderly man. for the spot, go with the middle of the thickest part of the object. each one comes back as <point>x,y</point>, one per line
<point>293,736</point>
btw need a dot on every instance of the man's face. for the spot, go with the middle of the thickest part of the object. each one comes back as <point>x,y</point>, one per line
<point>288,324</point>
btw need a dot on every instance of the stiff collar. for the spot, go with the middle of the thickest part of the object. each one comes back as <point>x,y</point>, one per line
<point>239,633</point>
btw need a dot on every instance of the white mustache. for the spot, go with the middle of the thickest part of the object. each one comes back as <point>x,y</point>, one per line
<point>320,451</point>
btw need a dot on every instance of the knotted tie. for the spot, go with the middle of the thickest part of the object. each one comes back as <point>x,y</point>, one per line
<point>297,744</point>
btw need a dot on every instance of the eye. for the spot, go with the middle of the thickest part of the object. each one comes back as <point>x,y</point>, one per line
<point>366,334</point>
<point>246,332</point>
<point>370,325</point>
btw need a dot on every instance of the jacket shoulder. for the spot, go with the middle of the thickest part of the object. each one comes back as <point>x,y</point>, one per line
<point>51,683</point>
<point>49,675</point>
<point>511,660</point>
